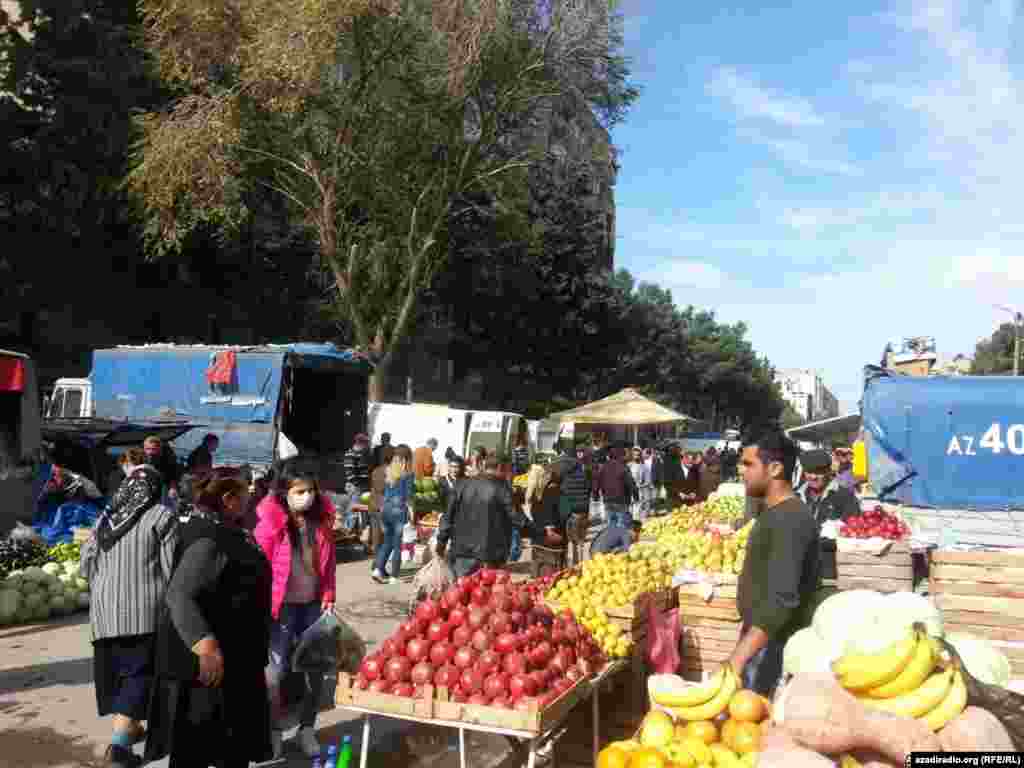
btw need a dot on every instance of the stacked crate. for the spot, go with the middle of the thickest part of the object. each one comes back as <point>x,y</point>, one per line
<point>982,593</point>
<point>710,627</point>
<point>891,571</point>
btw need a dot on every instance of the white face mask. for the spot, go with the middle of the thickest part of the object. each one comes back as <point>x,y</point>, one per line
<point>128,469</point>
<point>301,501</point>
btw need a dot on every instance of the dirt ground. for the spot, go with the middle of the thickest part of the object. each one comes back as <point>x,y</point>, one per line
<point>48,712</point>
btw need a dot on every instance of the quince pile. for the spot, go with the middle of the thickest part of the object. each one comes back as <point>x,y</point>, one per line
<point>710,725</point>
<point>608,581</point>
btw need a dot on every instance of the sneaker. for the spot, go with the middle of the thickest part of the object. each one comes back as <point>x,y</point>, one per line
<point>276,743</point>
<point>120,757</point>
<point>378,576</point>
<point>307,741</point>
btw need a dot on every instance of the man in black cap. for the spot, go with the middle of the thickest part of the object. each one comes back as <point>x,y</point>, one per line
<point>821,491</point>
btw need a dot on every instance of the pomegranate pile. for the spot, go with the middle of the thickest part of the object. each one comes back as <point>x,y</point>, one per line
<point>876,523</point>
<point>489,642</point>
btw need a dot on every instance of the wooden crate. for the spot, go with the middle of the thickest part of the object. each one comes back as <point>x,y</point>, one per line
<point>346,694</point>
<point>721,606</point>
<point>707,640</point>
<point>533,721</point>
<point>889,572</point>
<point>982,593</point>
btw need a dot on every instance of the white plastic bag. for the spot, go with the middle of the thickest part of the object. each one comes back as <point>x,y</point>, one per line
<point>597,510</point>
<point>409,534</point>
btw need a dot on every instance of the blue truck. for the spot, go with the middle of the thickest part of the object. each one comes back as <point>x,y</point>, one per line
<point>950,450</point>
<point>261,401</point>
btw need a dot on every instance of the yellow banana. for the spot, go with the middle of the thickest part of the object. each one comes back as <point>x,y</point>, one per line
<point>715,706</point>
<point>694,695</point>
<point>950,707</point>
<point>848,761</point>
<point>918,701</point>
<point>862,671</point>
<point>916,672</point>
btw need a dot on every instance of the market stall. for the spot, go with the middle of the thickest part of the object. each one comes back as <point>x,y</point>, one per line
<point>489,655</point>
<point>627,409</point>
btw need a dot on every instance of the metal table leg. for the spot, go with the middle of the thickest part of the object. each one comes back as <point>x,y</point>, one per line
<point>596,713</point>
<point>365,749</point>
<point>531,761</point>
<point>462,748</point>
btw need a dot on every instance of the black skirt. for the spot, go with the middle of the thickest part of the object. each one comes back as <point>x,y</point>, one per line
<point>195,725</point>
<point>123,675</point>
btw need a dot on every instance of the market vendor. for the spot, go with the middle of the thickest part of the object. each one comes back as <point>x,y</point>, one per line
<point>822,491</point>
<point>780,572</point>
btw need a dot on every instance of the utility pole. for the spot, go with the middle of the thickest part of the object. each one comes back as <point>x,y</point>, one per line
<point>1016,343</point>
<point>1018,320</point>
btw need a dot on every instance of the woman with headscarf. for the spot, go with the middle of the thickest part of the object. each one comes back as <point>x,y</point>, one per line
<point>128,562</point>
<point>210,704</point>
<point>543,495</point>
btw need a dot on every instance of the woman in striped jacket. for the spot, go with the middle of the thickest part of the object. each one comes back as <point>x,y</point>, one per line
<point>128,562</point>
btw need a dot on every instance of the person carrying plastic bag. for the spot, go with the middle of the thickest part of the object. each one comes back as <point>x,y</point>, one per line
<point>296,532</point>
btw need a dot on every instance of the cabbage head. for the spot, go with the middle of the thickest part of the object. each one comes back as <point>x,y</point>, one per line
<point>10,602</point>
<point>982,658</point>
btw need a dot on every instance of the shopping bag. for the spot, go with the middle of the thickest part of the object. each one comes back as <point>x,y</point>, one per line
<point>432,578</point>
<point>317,648</point>
<point>663,632</point>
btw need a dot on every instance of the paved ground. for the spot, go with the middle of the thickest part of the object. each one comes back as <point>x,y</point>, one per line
<point>48,713</point>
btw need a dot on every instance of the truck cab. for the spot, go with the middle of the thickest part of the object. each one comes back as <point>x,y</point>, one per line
<point>71,399</point>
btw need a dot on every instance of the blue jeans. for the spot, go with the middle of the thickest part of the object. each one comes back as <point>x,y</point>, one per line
<point>762,672</point>
<point>515,550</point>
<point>619,515</point>
<point>284,636</point>
<point>392,524</point>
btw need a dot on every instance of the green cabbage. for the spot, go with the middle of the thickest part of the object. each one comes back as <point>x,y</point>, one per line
<point>34,573</point>
<point>83,600</point>
<point>843,619</point>
<point>58,605</point>
<point>10,601</point>
<point>806,651</point>
<point>52,568</point>
<point>982,658</point>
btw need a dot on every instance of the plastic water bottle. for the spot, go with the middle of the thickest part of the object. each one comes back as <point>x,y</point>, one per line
<point>332,756</point>
<point>316,762</point>
<point>346,752</point>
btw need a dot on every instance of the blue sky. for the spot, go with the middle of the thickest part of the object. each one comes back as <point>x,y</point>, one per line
<point>836,175</point>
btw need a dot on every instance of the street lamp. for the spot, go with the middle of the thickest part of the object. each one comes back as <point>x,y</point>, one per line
<point>1017,319</point>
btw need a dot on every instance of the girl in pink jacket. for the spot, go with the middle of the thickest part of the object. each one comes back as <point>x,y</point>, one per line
<point>296,531</point>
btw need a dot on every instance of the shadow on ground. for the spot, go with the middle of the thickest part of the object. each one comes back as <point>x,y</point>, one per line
<point>32,629</point>
<point>69,672</point>
<point>28,746</point>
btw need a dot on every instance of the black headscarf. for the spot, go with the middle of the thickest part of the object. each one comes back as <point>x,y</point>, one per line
<point>139,493</point>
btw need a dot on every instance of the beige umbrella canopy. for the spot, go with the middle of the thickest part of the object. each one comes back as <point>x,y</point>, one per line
<point>625,408</point>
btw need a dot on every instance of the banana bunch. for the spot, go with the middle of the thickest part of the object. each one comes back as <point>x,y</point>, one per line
<point>909,678</point>
<point>701,702</point>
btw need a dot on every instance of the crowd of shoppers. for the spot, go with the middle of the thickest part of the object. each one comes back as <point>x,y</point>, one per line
<point>197,606</point>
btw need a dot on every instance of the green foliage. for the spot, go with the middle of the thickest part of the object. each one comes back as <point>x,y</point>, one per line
<point>995,354</point>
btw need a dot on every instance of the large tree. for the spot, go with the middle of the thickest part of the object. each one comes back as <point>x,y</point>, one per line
<point>995,354</point>
<point>380,121</point>
<point>71,75</point>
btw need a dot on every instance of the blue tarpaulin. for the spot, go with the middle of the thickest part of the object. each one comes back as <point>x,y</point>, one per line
<point>160,381</point>
<point>946,442</point>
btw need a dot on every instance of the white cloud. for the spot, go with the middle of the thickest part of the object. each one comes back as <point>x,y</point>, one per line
<point>788,125</point>
<point>751,101</point>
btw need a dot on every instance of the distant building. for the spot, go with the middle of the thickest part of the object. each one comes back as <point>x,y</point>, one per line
<point>805,391</point>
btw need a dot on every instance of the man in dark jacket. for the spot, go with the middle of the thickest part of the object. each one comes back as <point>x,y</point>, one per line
<point>614,482</point>
<point>479,517</point>
<point>821,491</point>
<point>574,499</point>
<point>827,500</point>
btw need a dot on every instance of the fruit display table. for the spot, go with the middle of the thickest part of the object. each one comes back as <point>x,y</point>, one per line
<point>531,729</point>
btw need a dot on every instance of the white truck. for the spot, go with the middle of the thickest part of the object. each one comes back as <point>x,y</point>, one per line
<point>461,430</point>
